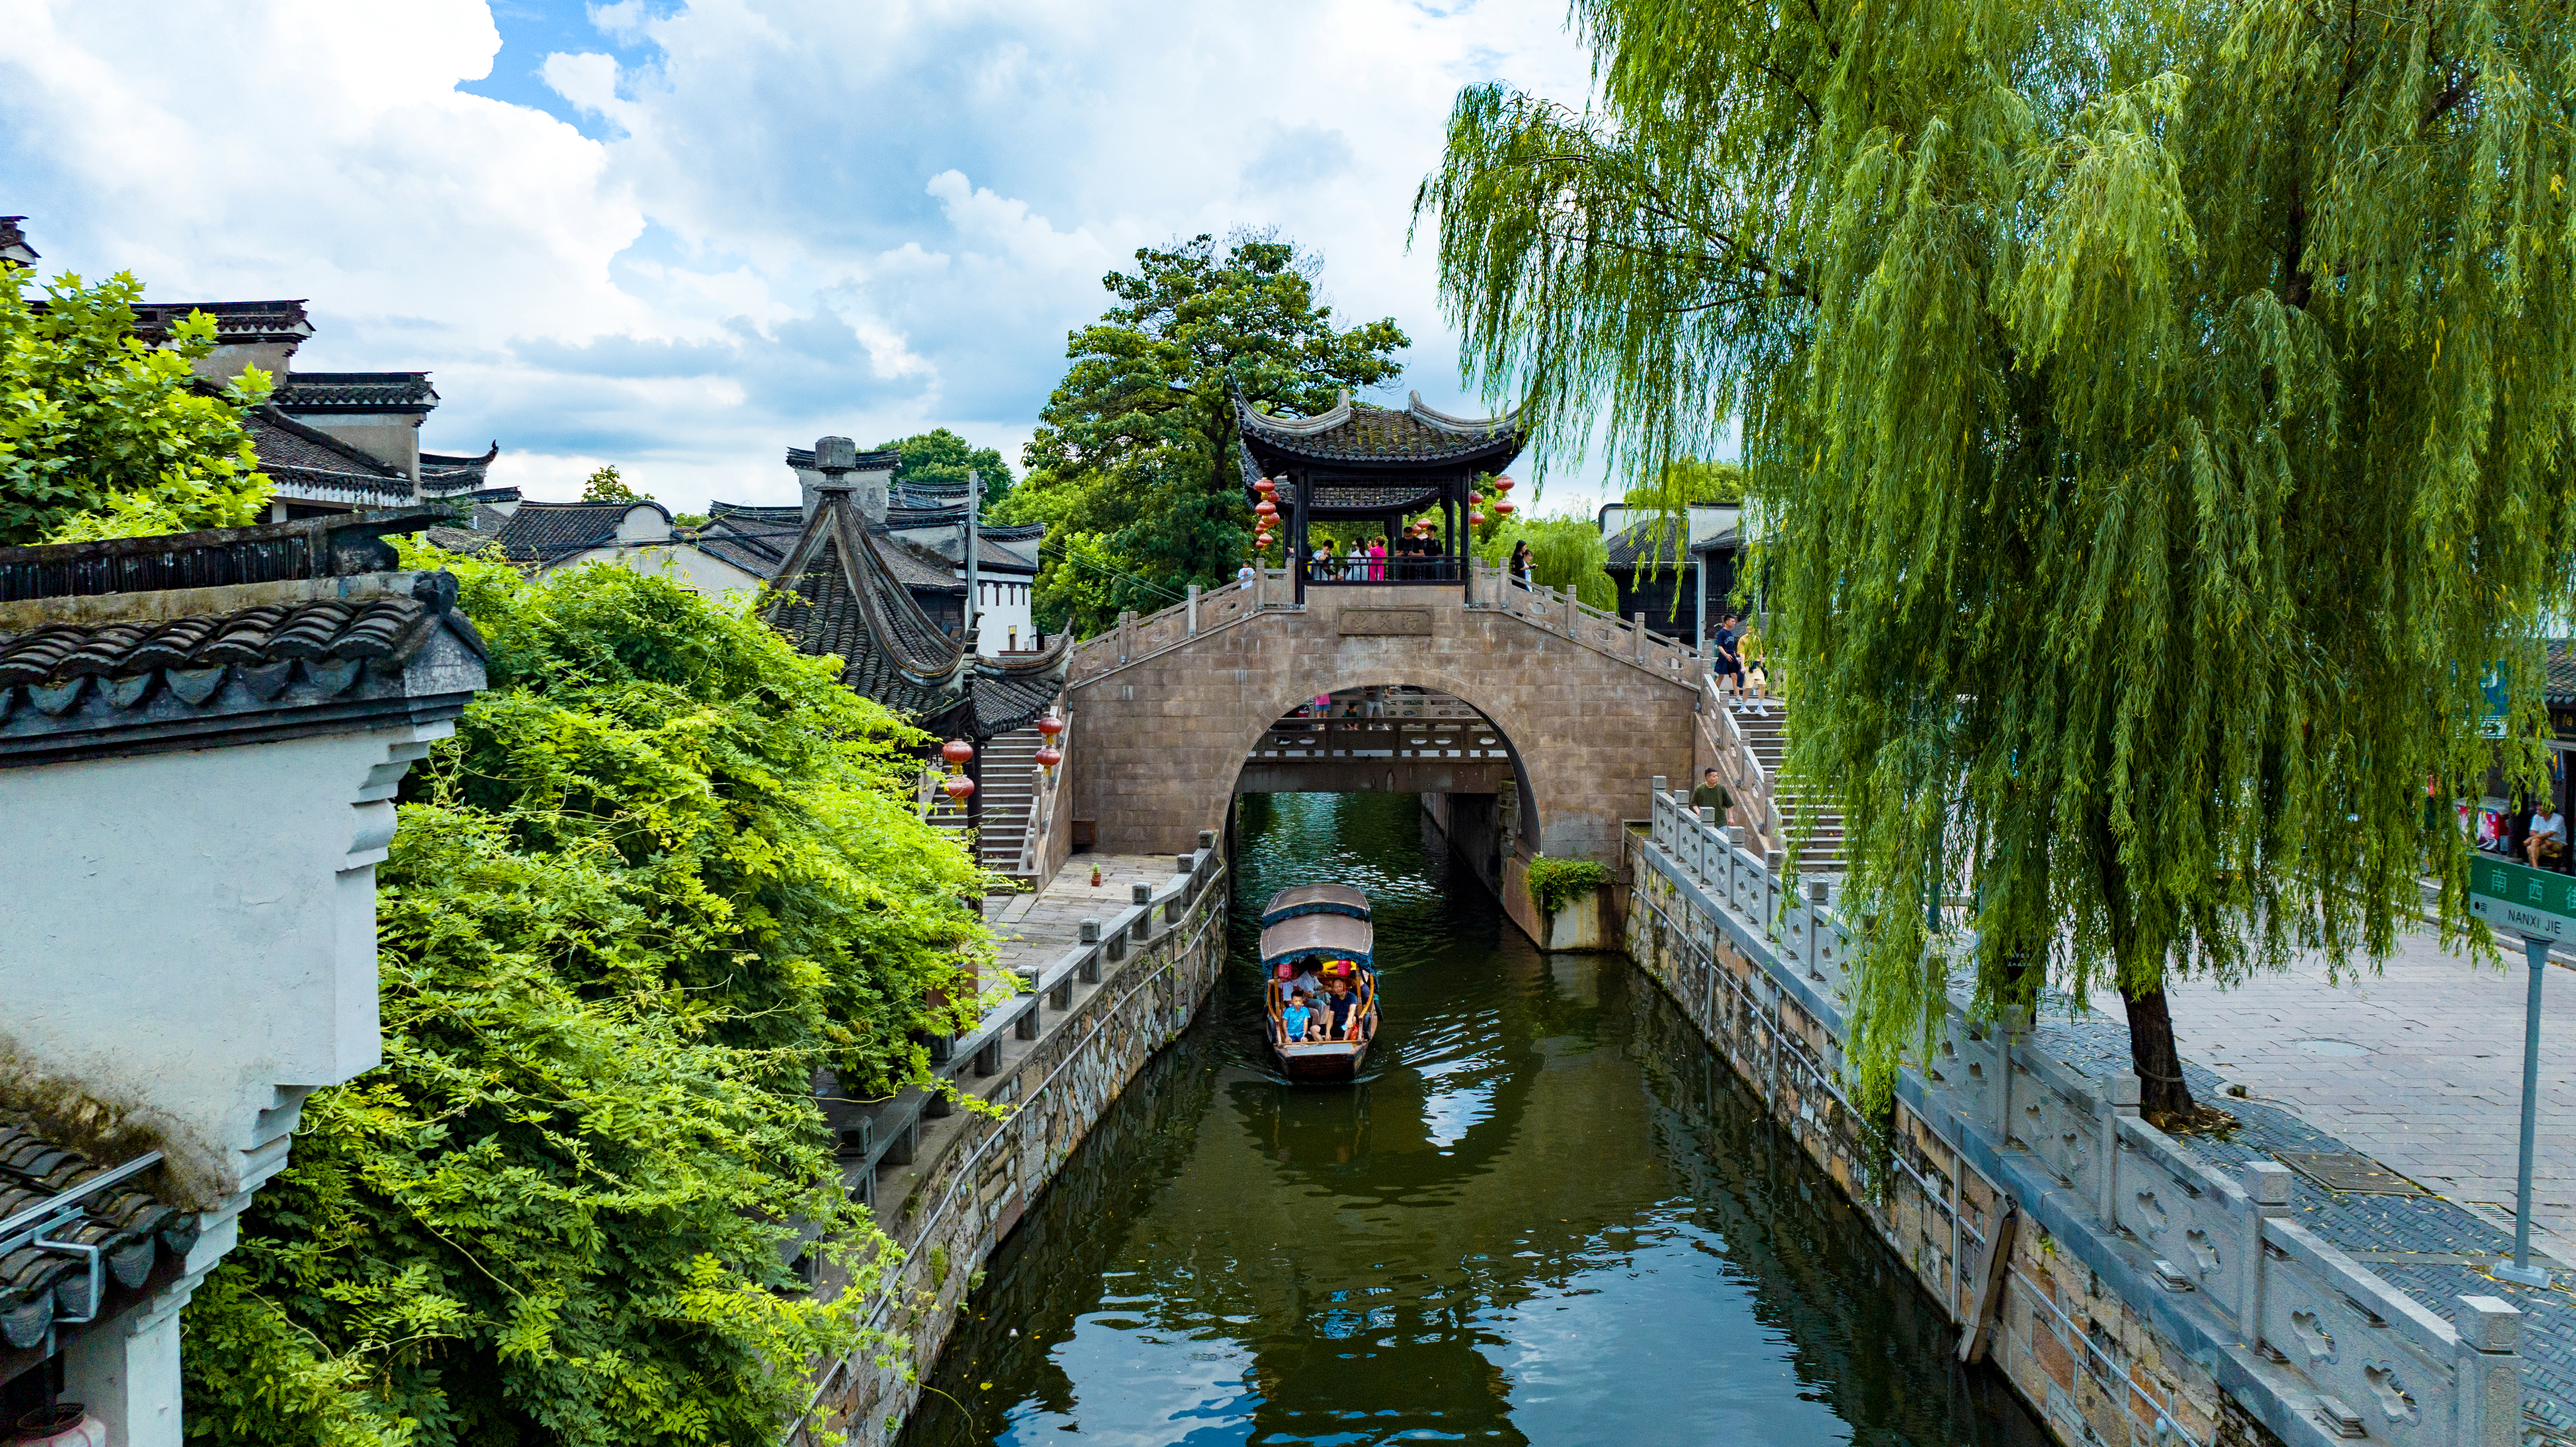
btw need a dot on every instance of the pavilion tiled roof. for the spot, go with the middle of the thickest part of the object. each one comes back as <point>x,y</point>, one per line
<point>132,1228</point>
<point>2561,685</point>
<point>346,392</point>
<point>1357,433</point>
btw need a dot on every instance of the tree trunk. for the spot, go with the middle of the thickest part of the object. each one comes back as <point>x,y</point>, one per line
<point>2161,1090</point>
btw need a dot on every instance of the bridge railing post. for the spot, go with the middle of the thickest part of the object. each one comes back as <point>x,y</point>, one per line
<point>1194,610</point>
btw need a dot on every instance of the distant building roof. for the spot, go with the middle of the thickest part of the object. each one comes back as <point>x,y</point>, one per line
<point>2561,685</point>
<point>803,458</point>
<point>324,393</point>
<point>543,532</point>
<point>236,322</point>
<point>310,465</point>
<point>848,597</point>
<point>448,472</point>
<point>13,242</point>
<point>1650,543</point>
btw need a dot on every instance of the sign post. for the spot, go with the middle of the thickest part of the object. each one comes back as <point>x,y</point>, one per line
<point>2541,906</point>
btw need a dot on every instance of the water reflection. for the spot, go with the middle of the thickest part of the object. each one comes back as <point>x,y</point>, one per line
<point>1549,1216</point>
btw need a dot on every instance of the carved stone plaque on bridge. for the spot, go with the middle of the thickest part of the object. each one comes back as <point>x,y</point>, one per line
<point>1386,622</point>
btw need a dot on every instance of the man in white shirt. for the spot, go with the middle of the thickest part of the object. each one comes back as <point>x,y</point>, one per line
<point>2546,843</point>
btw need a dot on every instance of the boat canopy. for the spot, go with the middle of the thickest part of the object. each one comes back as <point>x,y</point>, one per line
<point>1334,936</point>
<point>1316,899</point>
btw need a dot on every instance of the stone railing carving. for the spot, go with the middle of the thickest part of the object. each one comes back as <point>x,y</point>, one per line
<point>2319,1347</point>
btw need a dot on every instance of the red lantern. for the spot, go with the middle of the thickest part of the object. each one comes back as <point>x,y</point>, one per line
<point>1049,757</point>
<point>958,787</point>
<point>957,752</point>
<point>1503,508</point>
<point>1050,726</point>
<point>1502,484</point>
<point>1265,487</point>
<point>1265,509</point>
<point>1475,519</point>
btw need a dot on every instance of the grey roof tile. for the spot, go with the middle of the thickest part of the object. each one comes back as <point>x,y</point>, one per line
<point>330,392</point>
<point>129,1224</point>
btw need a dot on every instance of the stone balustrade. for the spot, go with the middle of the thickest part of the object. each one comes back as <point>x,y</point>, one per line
<point>2207,1292</point>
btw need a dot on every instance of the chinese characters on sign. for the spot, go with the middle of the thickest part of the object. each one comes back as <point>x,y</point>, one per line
<point>2519,898</point>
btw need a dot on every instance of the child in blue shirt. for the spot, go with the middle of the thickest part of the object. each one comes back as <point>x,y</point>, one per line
<point>1296,1020</point>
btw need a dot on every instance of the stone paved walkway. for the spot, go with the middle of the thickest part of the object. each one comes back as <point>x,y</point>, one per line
<point>2420,1068</point>
<point>1036,929</point>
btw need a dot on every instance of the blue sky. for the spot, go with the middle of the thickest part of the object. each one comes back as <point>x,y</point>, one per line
<point>682,235</point>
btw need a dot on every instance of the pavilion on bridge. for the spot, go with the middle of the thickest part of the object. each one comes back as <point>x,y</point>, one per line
<point>1357,463</point>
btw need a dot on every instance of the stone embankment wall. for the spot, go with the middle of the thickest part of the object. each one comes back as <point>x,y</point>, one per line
<point>2128,1293</point>
<point>1049,1062</point>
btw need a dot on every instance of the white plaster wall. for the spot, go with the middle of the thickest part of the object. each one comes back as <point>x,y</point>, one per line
<point>191,937</point>
<point>1005,607</point>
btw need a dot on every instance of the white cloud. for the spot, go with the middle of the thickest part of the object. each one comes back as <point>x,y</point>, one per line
<point>788,217</point>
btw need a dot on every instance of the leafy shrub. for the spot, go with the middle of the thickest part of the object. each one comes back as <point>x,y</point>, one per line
<point>1556,883</point>
<point>665,869</point>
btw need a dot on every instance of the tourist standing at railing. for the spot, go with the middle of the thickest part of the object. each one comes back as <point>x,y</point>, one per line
<point>1377,560</point>
<point>1322,561</point>
<point>1712,794</point>
<point>1520,564</point>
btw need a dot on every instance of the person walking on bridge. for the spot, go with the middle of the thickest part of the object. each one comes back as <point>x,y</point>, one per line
<point>1712,794</point>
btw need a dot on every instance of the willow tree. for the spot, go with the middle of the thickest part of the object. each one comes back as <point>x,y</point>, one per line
<point>2155,417</point>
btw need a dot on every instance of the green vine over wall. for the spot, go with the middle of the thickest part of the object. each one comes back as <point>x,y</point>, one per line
<point>666,869</point>
<point>1556,883</point>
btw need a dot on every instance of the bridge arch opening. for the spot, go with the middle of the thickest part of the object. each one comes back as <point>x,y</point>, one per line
<point>1372,736</point>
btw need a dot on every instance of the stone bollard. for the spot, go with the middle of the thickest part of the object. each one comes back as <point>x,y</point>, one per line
<point>2490,1372</point>
<point>1142,895</point>
<point>2267,1194</point>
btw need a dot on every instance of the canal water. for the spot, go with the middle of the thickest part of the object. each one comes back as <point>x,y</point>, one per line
<point>1549,1215</point>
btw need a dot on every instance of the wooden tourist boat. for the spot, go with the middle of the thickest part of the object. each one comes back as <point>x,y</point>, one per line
<point>1327,923</point>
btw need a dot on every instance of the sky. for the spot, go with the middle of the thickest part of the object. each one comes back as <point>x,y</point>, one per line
<point>683,235</point>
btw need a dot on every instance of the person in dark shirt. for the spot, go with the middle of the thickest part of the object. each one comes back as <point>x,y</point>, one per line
<point>1341,1010</point>
<point>1712,795</point>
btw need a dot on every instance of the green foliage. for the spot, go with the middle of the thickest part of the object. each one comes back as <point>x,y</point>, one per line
<point>1563,551</point>
<point>940,455</point>
<point>666,869</point>
<point>105,435</point>
<point>606,485</point>
<point>1686,481</point>
<point>1136,446</point>
<point>1556,883</point>
<point>2158,416</point>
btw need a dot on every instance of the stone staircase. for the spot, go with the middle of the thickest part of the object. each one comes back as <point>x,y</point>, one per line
<point>1009,791</point>
<point>1821,852</point>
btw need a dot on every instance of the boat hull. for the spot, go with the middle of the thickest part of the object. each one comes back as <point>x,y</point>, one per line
<point>1321,1061</point>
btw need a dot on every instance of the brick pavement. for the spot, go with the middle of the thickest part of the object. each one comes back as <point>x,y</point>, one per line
<point>2419,1067</point>
<point>1036,929</point>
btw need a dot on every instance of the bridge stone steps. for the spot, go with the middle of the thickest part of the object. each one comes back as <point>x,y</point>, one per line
<point>1821,851</point>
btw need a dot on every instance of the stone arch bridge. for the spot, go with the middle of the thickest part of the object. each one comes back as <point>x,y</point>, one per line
<point>1168,710</point>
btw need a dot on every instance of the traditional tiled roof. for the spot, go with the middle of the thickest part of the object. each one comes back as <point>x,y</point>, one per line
<point>2561,685</point>
<point>541,532</point>
<point>322,393</point>
<point>791,516</point>
<point>310,465</point>
<point>13,242</point>
<point>132,1228</point>
<point>918,566</point>
<point>1013,532</point>
<point>925,517</point>
<point>1649,542</point>
<point>236,635</point>
<point>217,558</point>
<point>448,472</point>
<point>991,553</point>
<point>195,650</point>
<point>845,598</point>
<point>235,321</point>
<point>803,458</point>
<point>1356,433</point>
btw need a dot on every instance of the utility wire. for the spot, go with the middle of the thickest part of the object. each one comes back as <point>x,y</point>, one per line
<point>1068,555</point>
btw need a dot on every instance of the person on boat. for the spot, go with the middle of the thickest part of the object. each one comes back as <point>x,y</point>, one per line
<point>1340,1011</point>
<point>1297,1022</point>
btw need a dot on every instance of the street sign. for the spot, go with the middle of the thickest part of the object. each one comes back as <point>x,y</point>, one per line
<point>2530,902</point>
